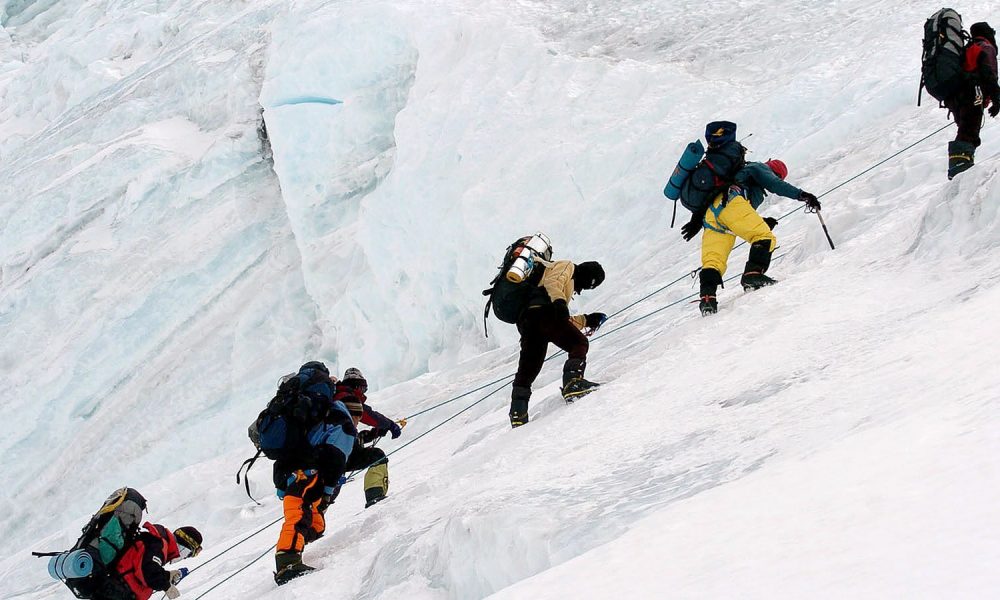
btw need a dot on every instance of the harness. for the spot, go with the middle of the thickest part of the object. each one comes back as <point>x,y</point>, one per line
<point>734,191</point>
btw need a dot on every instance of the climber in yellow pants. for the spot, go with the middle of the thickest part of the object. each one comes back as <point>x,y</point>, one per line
<point>734,213</point>
<point>724,221</point>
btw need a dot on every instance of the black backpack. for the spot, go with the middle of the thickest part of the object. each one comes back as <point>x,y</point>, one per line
<point>510,299</point>
<point>280,431</point>
<point>713,175</point>
<point>941,72</point>
<point>105,538</point>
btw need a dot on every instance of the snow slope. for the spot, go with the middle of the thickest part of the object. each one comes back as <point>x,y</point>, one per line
<point>161,265</point>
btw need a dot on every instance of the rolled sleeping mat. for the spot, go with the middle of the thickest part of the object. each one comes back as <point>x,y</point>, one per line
<point>71,565</point>
<point>689,160</point>
<point>524,262</point>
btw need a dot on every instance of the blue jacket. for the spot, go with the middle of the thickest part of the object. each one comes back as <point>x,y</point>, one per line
<point>333,436</point>
<point>331,440</point>
<point>757,179</point>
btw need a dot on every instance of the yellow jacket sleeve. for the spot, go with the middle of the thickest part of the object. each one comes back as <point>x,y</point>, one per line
<point>558,280</point>
<point>558,283</point>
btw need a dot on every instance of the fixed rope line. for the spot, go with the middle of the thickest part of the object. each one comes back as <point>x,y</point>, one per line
<point>560,352</point>
<point>441,424</point>
<point>885,160</point>
<point>495,381</point>
<point>653,293</point>
<point>459,397</point>
<point>665,307</point>
<point>237,572</point>
<point>259,531</point>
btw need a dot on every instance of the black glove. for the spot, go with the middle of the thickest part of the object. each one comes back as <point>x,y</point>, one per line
<point>771,222</point>
<point>395,430</point>
<point>692,227</point>
<point>561,309</point>
<point>995,107</point>
<point>324,503</point>
<point>368,436</point>
<point>595,320</point>
<point>812,203</point>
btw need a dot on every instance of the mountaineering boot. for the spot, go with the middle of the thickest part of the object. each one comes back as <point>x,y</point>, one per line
<point>290,566</point>
<point>373,496</point>
<point>519,397</point>
<point>757,264</point>
<point>710,281</point>
<point>961,157</point>
<point>376,483</point>
<point>574,385</point>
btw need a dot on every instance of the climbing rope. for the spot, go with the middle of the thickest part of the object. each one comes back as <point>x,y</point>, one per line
<point>237,571</point>
<point>254,534</point>
<point>504,379</point>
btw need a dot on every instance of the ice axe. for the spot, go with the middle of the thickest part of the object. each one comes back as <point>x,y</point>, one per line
<point>825,230</point>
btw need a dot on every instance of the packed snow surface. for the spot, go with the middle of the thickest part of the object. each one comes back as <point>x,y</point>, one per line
<point>164,259</point>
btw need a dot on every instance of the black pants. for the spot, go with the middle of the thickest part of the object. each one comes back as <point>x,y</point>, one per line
<point>968,116</point>
<point>113,588</point>
<point>539,326</point>
<point>363,457</point>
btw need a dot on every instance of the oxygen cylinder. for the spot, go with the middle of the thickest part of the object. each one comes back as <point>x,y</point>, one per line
<point>71,565</point>
<point>524,257</point>
<point>689,160</point>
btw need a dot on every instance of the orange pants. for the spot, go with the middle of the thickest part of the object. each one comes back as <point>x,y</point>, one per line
<point>303,521</point>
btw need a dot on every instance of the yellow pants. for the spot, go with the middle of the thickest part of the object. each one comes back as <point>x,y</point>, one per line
<point>377,477</point>
<point>723,223</point>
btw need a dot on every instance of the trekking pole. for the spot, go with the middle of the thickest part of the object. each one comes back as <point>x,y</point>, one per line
<point>825,230</point>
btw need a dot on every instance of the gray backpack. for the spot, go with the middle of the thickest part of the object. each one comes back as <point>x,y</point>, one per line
<point>941,71</point>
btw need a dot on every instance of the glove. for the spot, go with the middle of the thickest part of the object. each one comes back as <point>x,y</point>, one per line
<point>771,222</point>
<point>367,436</point>
<point>395,430</point>
<point>812,203</point>
<point>691,229</point>
<point>176,576</point>
<point>561,309</point>
<point>330,493</point>
<point>595,320</point>
<point>173,593</point>
<point>995,108</point>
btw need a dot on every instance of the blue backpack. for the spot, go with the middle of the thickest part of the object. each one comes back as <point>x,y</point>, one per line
<point>280,432</point>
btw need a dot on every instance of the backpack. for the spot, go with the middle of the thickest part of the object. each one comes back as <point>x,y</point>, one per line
<point>280,431</point>
<point>941,71</point>
<point>716,171</point>
<point>87,565</point>
<point>519,274</point>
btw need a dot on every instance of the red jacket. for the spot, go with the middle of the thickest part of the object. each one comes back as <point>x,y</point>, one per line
<point>142,566</point>
<point>371,417</point>
<point>981,62</point>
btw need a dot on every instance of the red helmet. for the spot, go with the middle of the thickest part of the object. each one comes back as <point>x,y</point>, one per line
<point>778,167</point>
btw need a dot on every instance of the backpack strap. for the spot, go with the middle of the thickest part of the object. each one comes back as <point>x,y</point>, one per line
<point>488,292</point>
<point>486,311</point>
<point>248,463</point>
